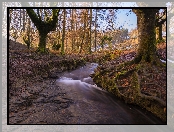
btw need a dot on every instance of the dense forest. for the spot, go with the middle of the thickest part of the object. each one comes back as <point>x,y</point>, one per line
<point>77,30</point>
<point>46,42</point>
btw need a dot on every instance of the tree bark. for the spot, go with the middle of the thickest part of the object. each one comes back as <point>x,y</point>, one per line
<point>147,35</point>
<point>20,11</point>
<point>42,42</point>
<point>95,43</point>
<point>160,20</point>
<point>90,31</point>
<point>63,34</point>
<point>160,32</point>
<point>84,33</point>
<point>72,29</point>
<point>44,27</point>
<point>24,15</point>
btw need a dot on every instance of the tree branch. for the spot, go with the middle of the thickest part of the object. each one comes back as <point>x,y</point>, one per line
<point>33,16</point>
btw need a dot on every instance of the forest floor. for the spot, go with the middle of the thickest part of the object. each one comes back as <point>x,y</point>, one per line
<point>28,87</point>
<point>144,84</point>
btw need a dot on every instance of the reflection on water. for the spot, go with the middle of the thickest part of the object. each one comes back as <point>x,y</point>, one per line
<point>92,105</point>
<point>163,61</point>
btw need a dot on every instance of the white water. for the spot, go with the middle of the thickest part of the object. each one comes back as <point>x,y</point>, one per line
<point>92,105</point>
<point>85,83</point>
<point>163,61</point>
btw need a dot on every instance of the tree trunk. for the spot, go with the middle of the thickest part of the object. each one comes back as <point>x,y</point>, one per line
<point>90,31</point>
<point>59,37</point>
<point>66,42</point>
<point>20,11</point>
<point>63,34</point>
<point>49,25</point>
<point>77,36</point>
<point>147,36</point>
<point>160,32</point>
<point>59,27</point>
<point>84,33</point>
<point>72,28</point>
<point>42,42</point>
<point>24,15</point>
<point>95,43</point>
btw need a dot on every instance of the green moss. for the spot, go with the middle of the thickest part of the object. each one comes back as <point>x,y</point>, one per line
<point>121,73</point>
<point>134,95</point>
<point>152,105</point>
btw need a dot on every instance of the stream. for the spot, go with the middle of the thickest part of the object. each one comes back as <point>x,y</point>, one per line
<point>74,98</point>
<point>93,105</point>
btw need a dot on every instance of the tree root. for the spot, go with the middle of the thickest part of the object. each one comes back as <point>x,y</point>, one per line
<point>42,51</point>
<point>132,93</point>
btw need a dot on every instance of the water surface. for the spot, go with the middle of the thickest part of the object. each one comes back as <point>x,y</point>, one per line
<point>92,105</point>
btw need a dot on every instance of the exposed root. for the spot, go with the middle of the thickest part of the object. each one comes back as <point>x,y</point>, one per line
<point>125,81</point>
<point>42,51</point>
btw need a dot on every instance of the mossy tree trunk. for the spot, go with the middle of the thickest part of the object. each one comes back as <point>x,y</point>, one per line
<point>44,27</point>
<point>160,32</point>
<point>160,20</point>
<point>42,42</point>
<point>147,35</point>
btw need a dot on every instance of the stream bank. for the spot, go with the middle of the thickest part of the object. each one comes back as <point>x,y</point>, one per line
<point>38,97</point>
<point>74,99</point>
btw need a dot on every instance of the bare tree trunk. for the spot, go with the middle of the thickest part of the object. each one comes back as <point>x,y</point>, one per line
<point>63,34</point>
<point>58,37</point>
<point>66,44</point>
<point>95,43</point>
<point>20,17</point>
<point>90,30</point>
<point>76,29</point>
<point>72,28</point>
<point>59,26</point>
<point>81,45</point>
<point>24,15</point>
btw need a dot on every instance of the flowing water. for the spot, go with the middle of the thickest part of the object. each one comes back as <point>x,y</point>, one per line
<point>92,105</point>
